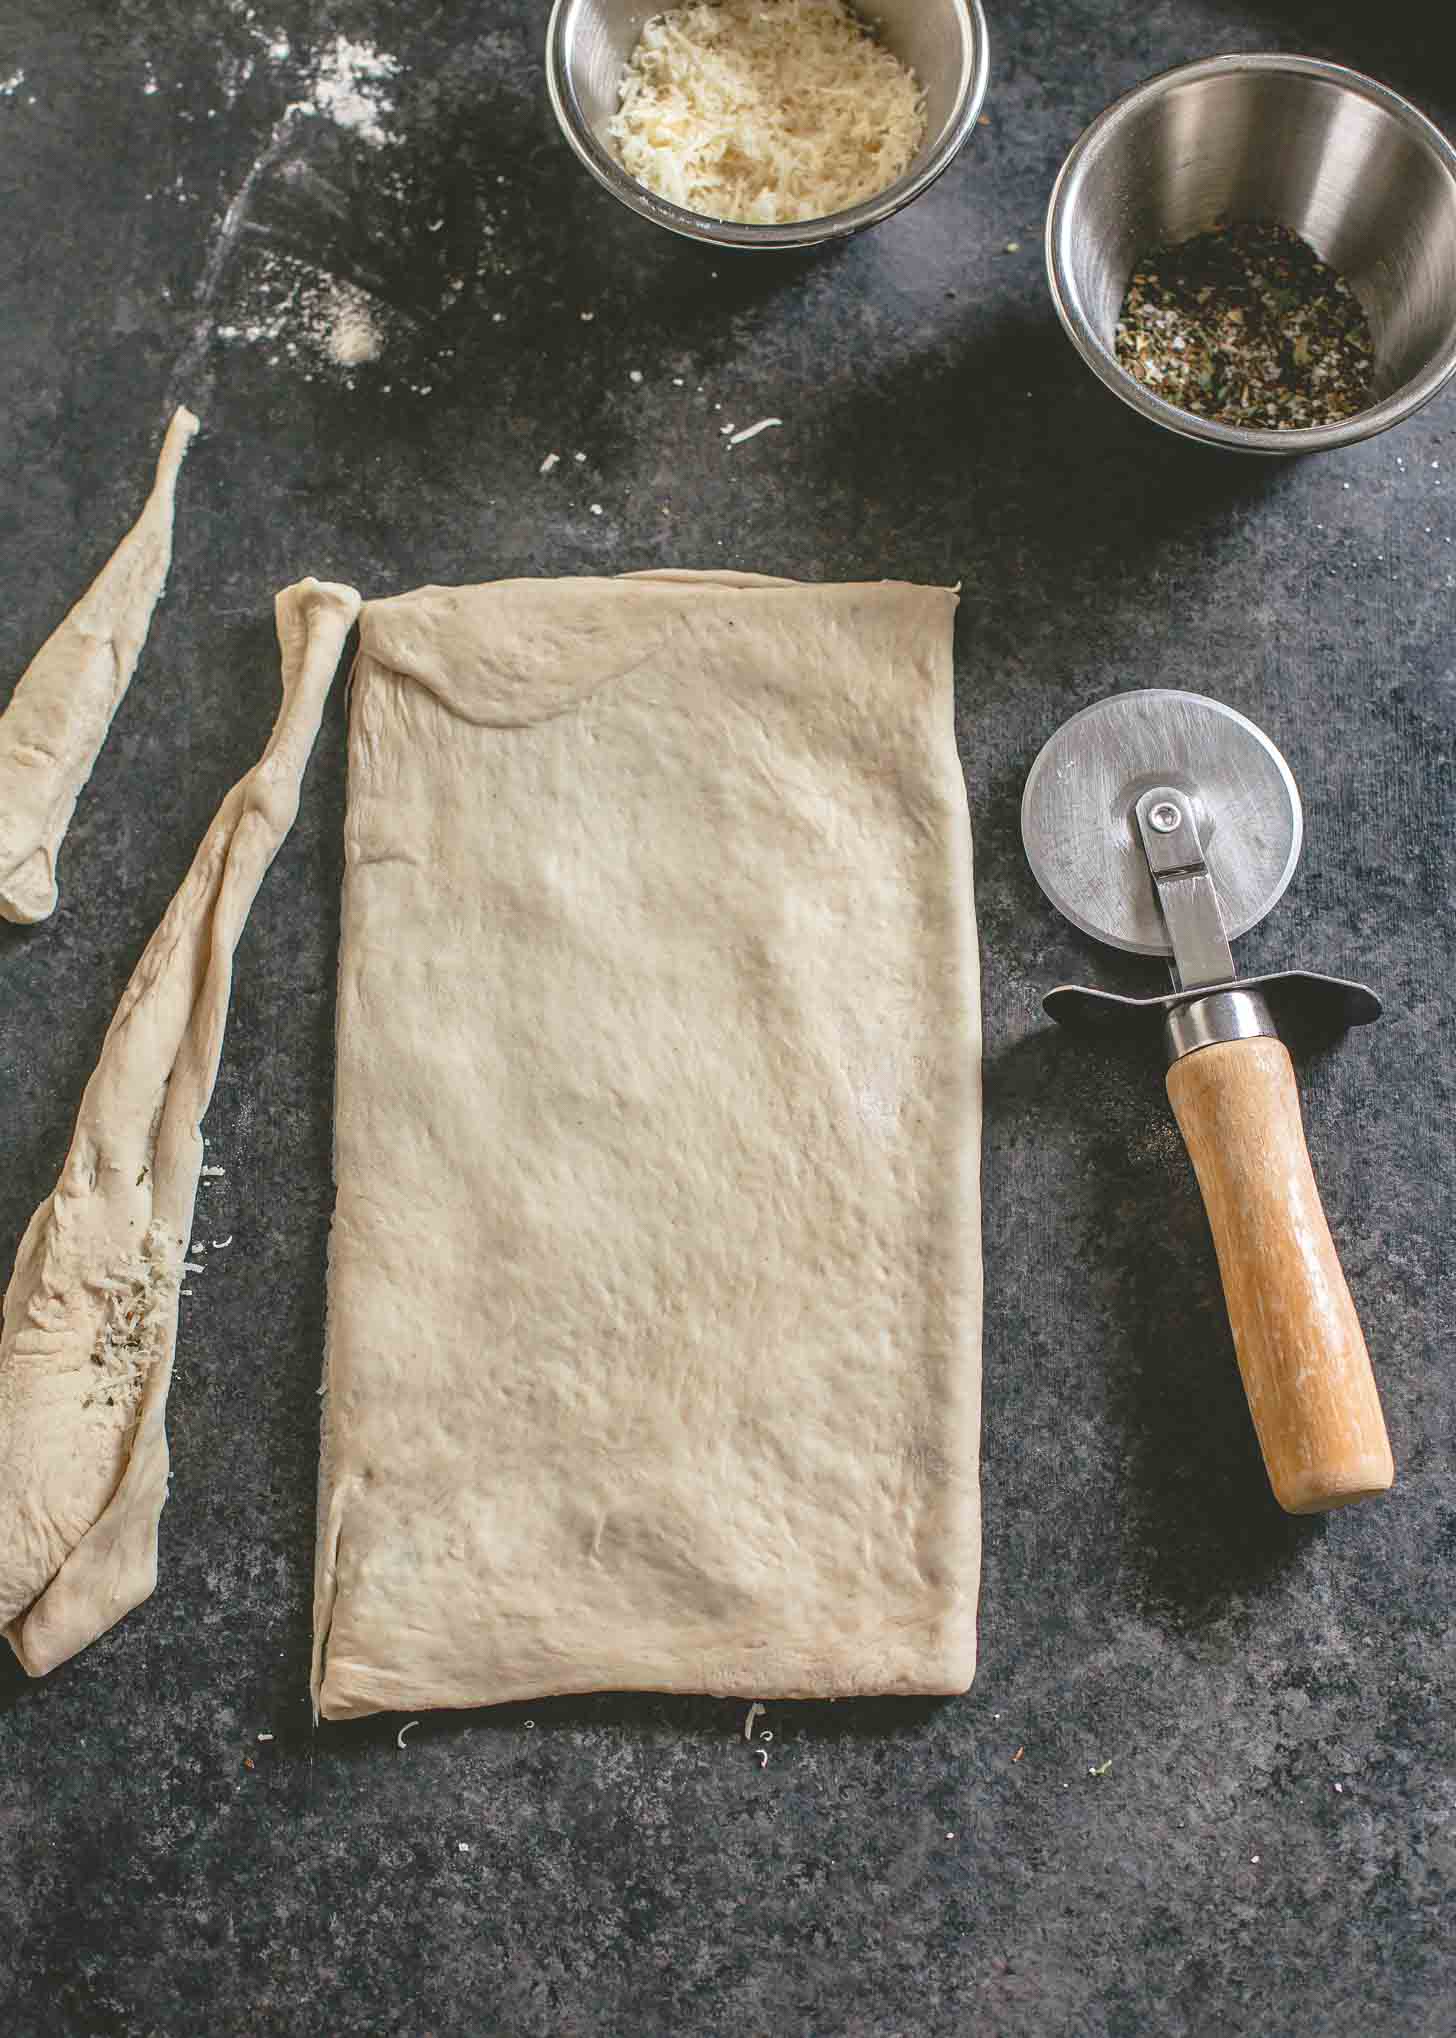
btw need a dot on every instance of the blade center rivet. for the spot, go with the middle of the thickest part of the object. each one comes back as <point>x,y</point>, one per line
<point>1165,817</point>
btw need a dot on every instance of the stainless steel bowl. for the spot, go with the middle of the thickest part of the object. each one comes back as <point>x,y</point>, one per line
<point>1347,164</point>
<point>589,42</point>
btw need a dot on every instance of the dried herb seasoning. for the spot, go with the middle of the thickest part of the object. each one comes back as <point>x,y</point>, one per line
<point>1245,324</point>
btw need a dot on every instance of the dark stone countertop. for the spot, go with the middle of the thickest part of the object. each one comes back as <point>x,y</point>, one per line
<point>1273,1849</point>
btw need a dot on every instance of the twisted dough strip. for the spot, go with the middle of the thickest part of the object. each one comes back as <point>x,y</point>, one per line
<point>90,1317</point>
<point>56,723</point>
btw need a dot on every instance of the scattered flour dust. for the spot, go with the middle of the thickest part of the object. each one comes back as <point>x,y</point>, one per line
<point>299,312</point>
<point>352,336</point>
<point>303,314</point>
<point>347,82</point>
<point>351,84</point>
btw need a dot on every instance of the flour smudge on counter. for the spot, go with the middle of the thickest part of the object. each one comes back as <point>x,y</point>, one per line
<point>350,85</point>
<point>304,314</point>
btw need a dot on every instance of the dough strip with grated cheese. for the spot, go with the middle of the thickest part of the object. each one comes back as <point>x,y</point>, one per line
<point>90,1316</point>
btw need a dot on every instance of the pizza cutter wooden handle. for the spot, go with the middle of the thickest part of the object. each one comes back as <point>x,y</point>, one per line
<point>1300,1348</point>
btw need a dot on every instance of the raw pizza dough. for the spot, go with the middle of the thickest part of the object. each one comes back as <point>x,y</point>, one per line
<point>90,1317</point>
<point>52,732</point>
<point>655,1297</point>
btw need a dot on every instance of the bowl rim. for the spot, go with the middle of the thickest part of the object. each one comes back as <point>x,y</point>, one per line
<point>802,233</point>
<point>1061,213</point>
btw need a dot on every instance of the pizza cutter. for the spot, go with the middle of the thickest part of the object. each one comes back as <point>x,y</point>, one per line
<point>1166,824</point>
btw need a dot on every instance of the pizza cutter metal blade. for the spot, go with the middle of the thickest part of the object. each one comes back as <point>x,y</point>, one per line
<point>1167,824</point>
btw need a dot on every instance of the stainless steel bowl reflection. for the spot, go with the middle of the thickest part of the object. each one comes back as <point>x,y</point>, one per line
<point>588,43</point>
<point>1344,162</point>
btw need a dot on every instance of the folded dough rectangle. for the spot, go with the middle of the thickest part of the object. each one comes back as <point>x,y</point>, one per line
<point>655,1281</point>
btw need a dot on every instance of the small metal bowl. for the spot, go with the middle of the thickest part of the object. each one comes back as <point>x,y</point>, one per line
<point>1345,163</point>
<point>589,42</point>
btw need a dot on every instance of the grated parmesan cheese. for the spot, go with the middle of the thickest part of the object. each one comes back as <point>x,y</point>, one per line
<point>766,110</point>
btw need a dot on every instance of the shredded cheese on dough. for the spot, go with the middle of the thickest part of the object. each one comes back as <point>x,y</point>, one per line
<point>766,110</point>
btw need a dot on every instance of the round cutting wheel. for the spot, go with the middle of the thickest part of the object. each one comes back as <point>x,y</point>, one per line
<point>1080,830</point>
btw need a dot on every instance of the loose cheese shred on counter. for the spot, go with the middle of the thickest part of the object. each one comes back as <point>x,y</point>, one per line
<point>766,111</point>
<point>752,431</point>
